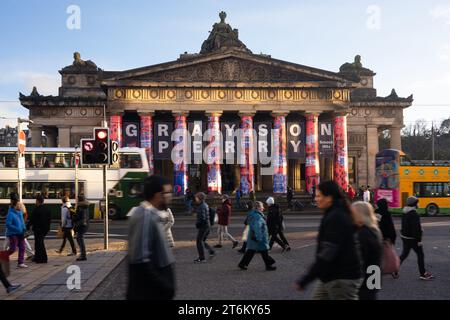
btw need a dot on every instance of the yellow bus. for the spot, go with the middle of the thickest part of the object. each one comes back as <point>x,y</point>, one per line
<point>398,178</point>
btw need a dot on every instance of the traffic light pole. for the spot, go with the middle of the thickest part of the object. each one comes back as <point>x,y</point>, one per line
<point>105,215</point>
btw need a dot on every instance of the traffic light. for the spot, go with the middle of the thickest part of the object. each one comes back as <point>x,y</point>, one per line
<point>96,151</point>
<point>87,151</point>
<point>113,152</point>
<point>101,136</point>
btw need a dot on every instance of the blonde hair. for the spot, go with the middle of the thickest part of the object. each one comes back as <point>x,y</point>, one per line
<point>364,215</point>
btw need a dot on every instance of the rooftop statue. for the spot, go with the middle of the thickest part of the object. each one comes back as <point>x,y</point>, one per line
<point>77,61</point>
<point>222,36</point>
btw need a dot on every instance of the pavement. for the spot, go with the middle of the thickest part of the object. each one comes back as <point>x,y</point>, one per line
<point>50,281</point>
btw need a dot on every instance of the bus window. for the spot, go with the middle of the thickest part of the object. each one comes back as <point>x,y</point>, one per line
<point>8,160</point>
<point>405,161</point>
<point>6,188</point>
<point>130,160</point>
<point>135,189</point>
<point>432,189</point>
<point>51,190</point>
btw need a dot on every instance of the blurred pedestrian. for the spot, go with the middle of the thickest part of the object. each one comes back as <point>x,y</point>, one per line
<point>10,288</point>
<point>188,198</point>
<point>203,225</point>
<point>81,225</point>
<point>40,222</point>
<point>275,225</point>
<point>289,197</point>
<point>28,250</point>
<point>167,221</point>
<point>249,205</point>
<point>67,226</point>
<point>337,264</point>
<point>350,193</point>
<point>370,241</point>
<point>257,239</point>
<point>385,221</point>
<point>411,234</point>
<point>366,195</point>
<point>224,215</point>
<point>238,198</point>
<point>151,264</point>
<point>15,230</point>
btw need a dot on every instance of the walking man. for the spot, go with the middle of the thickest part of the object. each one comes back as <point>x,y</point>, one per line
<point>203,225</point>
<point>151,274</point>
<point>39,222</point>
<point>81,225</point>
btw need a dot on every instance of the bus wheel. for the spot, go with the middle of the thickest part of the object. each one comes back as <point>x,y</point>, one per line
<point>113,212</point>
<point>432,209</point>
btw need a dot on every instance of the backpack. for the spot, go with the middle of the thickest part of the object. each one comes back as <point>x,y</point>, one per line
<point>212,216</point>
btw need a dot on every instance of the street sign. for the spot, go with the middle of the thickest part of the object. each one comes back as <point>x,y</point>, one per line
<point>22,141</point>
<point>21,167</point>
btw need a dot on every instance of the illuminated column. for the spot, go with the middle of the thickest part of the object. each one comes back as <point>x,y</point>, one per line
<point>179,152</point>
<point>146,138</point>
<point>340,151</point>
<point>247,154</point>
<point>279,148</point>
<point>312,167</point>
<point>115,128</point>
<point>214,154</point>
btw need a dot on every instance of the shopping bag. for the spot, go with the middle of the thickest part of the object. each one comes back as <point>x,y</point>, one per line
<point>4,262</point>
<point>60,233</point>
<point>245,233</point>
<point>391,261</point>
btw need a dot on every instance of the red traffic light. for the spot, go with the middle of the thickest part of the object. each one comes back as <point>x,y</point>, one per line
<point>102,134</point>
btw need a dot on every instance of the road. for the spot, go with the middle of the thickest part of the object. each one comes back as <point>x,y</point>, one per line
<point>221,279</point>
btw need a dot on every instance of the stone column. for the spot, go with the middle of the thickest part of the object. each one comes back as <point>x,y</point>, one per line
<point>36,136</point>
<point>312,166</point>
<point>179,152</point>
<point>214,154</point>
<point>372,150</point>
<point>50,133</point>
<point>279,149</point>
<point>146,138</point>
<point>115,128</point>
<point>63,137</point>
<point>340,151</point>
<point>247,153</point>
<point>396,140</point>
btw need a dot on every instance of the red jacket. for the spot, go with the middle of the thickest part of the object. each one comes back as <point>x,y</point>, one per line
<point>351,193</point>
<point>224,213</point>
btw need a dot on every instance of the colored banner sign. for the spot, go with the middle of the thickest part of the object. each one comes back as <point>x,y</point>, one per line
<point>312,153</point>
<point>326,138</point>
<point>115,125</point>
<point>296,139</point>
<point>196,131</point>
<point>213,155</point>
<point>162,146</point>
<point>180,155</point>
<point>280,162</point>
<point>340,152</point>
<point>264,142</point>
<point>130,131</point>
<point>247,169</point>
<point>146,137</point>
<point>230,141</point>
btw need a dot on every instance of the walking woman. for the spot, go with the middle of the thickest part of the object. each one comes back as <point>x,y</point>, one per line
<point>258,239</point>
<point>370,241</point>
<point>67,226</point>
<point>337,264</point>
<point>224,217</point>
<point>15,230</point>
<point>275,225</point>
<point>385,221</point>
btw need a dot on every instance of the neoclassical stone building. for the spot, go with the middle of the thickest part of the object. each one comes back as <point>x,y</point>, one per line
<point>328,121</point>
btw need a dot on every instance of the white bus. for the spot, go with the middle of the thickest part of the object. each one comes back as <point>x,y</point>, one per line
<point>51,172</point>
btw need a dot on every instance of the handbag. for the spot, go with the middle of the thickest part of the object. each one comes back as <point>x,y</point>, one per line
<point>60,233</point>
<point>245,234</point>
<point>391,261</point>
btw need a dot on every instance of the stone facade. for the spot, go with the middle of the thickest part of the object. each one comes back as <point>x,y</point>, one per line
<point>224,78</point>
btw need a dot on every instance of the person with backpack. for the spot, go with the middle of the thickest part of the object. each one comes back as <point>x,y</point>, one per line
<point>411,234</point>
<point>67,226</point>
<point>203,225</point>
<point>81,225</point>
<point>40,222</point>
<point>275,225</point>
<point>224,215</point>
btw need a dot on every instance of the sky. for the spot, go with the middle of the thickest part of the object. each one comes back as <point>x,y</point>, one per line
<point>407,43</point>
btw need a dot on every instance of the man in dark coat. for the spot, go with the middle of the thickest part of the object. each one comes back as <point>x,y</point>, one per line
<point>81,224</point>
<point>275,225</point>
<point>411,234</point>
<point>40,223</point>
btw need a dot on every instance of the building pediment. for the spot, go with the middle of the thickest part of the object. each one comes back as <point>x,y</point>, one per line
<point>230,66</point>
